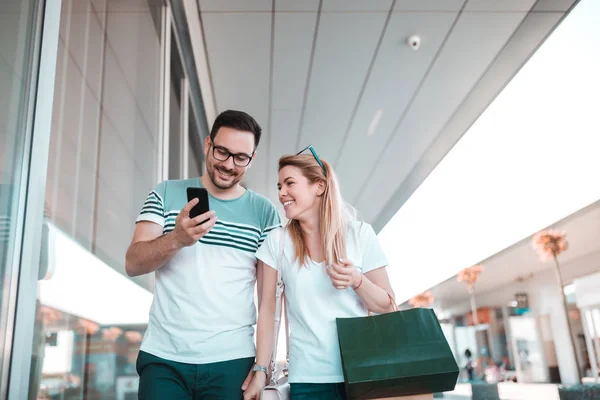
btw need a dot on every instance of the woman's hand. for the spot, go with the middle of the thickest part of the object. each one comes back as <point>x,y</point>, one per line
<point>344,274</point>
<point>259,381</point>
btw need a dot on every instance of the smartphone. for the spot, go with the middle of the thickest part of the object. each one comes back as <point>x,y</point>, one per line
<point>202,195</point>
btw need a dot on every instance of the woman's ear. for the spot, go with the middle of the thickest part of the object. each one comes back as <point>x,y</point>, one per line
<point>321,185</point>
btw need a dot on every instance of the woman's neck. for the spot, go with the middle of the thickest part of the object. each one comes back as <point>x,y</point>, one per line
<point>312,239</point>
<point>311,225</point>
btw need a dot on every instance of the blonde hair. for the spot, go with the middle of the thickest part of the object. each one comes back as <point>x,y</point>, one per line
<point>333,213</point>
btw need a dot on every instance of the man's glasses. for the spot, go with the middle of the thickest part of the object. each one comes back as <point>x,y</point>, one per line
<point>222,154</point>
<point>314,153</point>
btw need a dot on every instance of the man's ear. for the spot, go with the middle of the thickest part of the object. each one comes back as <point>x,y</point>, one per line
<point>253,158</point>
<point>206,145</point>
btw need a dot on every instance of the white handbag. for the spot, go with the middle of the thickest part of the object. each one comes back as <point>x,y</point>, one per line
<point>279,388</point>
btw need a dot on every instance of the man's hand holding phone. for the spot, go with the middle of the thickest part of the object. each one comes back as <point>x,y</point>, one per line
<point>189,230</point>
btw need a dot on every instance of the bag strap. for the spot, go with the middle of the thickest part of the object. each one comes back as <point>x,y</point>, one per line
<point>279,296</point>
<point>392,302</point>
<point>285,313</point>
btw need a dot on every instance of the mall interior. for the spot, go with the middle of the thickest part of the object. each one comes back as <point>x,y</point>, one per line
<point>459,129</point>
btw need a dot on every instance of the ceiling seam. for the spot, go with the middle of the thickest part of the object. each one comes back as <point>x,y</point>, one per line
<point>414,96</point>
<point>210,75</point>
<point>364,85</point>
<point>270,101</point>
<point>308,78</point>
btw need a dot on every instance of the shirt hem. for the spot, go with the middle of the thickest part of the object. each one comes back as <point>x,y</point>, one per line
<point>146,217</point>
<point>267,261</point>
<point>200,360</point>
<point>380,264</point>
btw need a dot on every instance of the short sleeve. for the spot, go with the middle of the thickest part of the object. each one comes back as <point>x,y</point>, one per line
<point>153,209</point>
<point>271,221</point>
<point>373,256</point>
<point>268,252</point>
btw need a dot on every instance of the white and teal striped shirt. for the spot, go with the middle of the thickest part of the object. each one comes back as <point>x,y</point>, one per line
<point>203,309</point>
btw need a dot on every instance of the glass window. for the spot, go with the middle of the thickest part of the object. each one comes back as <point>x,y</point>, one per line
<point>176,104</point>
<point>103,161</point>
<point>195,158</point>
<point>17,26</point>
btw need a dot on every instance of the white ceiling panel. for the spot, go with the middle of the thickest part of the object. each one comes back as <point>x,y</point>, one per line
<point>235,5</point>
<point>356,5</point>
<point>294,35</point>
<point>428,5</point>
<point>531,32</point>
<point>293,44</point>
<point>328,95</point>
<point>396,75</point>
<point>284,124</point>
<point>499,6</point>
<point>345,47</point>
<point>553,5</point>
<point>295,5</point>
<point>462,62</point>
<point>240,70</point>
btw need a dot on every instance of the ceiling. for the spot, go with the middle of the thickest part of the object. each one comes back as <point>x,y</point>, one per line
<point>339,75</point>
<point>520,262</point>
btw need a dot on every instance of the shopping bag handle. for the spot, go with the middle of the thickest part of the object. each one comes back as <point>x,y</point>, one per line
<point>392,301</point>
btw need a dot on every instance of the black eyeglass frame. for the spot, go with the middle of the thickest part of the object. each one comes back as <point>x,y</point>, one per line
<point>229,154</point>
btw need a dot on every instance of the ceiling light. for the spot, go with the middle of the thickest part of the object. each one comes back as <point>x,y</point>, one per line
<point>375,122</point>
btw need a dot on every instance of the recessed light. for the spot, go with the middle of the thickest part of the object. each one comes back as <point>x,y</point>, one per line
<point>374,122</point>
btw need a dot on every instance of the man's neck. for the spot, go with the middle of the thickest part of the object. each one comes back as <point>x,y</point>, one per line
<point>224,194</point>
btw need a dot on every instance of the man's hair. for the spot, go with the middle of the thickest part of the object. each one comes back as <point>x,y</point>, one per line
<point>237,120</point>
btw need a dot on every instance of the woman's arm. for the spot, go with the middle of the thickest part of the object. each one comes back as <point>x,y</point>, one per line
<point>266,317</point>
<point>376,291</point>
<point>264,330</point>
<point>373,288</point>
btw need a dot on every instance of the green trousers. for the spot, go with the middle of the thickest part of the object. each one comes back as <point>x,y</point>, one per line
<point>317,391</point>
<point>162,379</point>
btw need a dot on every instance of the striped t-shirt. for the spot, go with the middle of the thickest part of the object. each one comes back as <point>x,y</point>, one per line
<point>203,309</point>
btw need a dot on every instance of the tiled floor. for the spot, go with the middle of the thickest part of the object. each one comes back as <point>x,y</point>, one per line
<point>510,391</point>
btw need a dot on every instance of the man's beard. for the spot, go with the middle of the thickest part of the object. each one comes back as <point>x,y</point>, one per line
<point>212,174</point>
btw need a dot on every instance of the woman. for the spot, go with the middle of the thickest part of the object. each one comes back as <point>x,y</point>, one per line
<point>333,267</point>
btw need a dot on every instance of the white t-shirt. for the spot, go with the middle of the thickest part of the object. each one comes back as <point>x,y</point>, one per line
<point>313,303</point>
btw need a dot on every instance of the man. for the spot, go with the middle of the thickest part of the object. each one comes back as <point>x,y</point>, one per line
<point>199,342</point>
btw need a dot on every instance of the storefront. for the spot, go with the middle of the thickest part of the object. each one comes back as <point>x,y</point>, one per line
<point>101,101</point>
<point>588,301</point>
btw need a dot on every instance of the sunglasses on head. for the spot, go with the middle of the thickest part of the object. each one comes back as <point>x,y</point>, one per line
<point>314,153</point>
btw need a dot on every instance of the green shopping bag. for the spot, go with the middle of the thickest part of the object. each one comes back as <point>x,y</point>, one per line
<point>396,354</point>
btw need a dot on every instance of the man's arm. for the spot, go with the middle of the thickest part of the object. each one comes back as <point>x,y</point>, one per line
<point>150,249</point>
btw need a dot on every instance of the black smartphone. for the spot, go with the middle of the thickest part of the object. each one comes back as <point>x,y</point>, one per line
<point>202,195</point>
